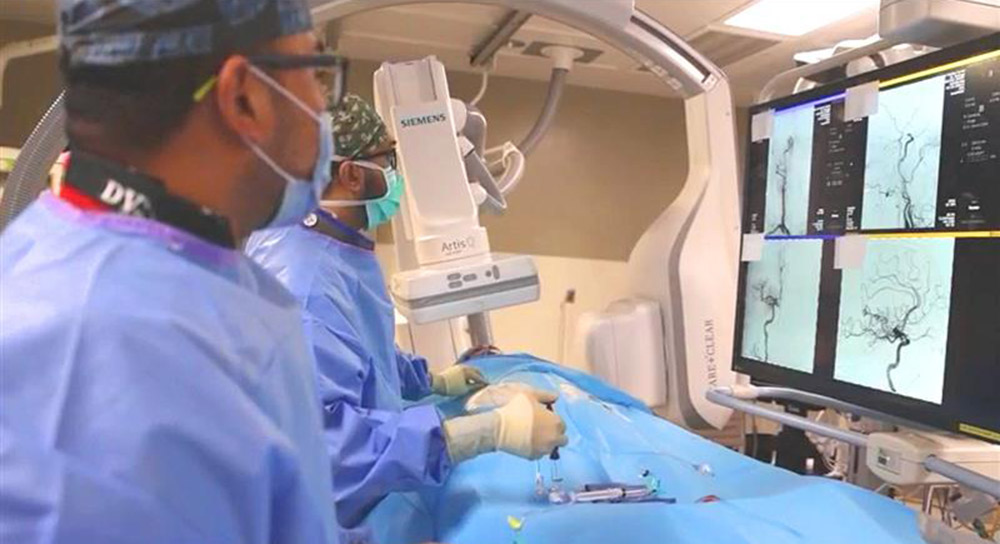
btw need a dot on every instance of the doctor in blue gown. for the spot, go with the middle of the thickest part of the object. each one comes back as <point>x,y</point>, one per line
<point>155,384</point>
<point>379,445</point>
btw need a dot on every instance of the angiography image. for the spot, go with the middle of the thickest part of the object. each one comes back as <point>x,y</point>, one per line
<point>788,169</point>
<point>782,303</point>
<point>893,326</point>
<point>903,157</point>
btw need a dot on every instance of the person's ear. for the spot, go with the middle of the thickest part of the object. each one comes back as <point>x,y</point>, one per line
<point>245,103</point>
<point>352,177</point>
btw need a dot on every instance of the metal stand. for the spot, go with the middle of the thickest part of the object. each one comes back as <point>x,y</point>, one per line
<point>479,329</point>
<point>733,397</point>
<point>963,476</point>
<point>724,396</point>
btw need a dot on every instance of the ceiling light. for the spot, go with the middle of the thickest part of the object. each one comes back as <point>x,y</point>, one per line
<point>796,17</point>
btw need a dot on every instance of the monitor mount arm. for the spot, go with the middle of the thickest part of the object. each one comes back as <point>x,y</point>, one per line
<point>741,398</point>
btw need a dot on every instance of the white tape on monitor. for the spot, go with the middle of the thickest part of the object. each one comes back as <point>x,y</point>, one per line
<point>861,101</point>
<point>761,126</point>
<point>849,252</point>
<point>753,247</point>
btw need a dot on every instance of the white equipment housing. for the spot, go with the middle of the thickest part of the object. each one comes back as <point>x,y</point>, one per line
<point>439,216</point>
<point>616,340</point>
<point>441,292</point>
<point>937,23</point>
<point>898,457</point>
<point>687,264</point>
<point>446,268</point>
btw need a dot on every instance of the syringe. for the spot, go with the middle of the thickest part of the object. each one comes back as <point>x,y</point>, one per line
<point>554,457</point>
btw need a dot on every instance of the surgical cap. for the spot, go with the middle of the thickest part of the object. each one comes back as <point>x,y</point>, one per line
<point>357,127</point>
<point>120,32</point>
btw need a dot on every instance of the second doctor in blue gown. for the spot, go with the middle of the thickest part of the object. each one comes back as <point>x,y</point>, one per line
<point>377,445</point>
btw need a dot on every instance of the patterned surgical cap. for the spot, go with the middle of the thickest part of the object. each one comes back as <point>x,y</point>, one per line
<point>119,32</point>
<point>357,127</point>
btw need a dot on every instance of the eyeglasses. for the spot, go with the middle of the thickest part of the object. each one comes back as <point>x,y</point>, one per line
<point>389,154</point>
<point>326,67</point>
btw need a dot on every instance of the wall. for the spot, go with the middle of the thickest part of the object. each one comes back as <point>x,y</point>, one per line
<point>30,85</point>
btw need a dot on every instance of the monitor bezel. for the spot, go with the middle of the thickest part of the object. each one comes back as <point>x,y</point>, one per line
<point>919,412</point>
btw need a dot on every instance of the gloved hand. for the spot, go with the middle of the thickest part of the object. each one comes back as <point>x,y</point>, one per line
<point>457,380</point>
<point>523,427</point>
<point>528,429</point>
<point>496,395</point>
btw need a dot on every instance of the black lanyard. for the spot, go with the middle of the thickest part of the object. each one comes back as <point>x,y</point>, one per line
<point>325,223</point>
<point>130,192</point>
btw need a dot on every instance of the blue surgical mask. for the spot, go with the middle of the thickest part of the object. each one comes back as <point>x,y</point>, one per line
<point>300,196</point>
<point>382,209</point>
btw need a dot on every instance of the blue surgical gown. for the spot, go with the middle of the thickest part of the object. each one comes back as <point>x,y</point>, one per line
<point>377,445</point>
<point>154,388</point>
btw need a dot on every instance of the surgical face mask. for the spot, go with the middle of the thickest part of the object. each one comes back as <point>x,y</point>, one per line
<point>382,209</point>
<point>300,196</point>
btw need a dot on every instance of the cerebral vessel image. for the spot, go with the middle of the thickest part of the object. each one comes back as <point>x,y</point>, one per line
<point>894,318</point>
<point>903,157</point>
<point>782,303</point>
<point>770,292</point>
<point>789,167</point>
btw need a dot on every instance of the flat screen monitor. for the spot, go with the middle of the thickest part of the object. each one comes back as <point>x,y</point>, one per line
<point>871,241</point>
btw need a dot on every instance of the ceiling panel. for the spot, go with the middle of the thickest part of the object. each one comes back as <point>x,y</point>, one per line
<point>468,13</point>
<point>451,35</point>
<point>451,31</point>
<point>519,66</point>
<point>725,48</point>
<point>448,30</point>
<point>748,76</point>
<point>555,28</point>
<point>685,17</point>
<point>36,11</point>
